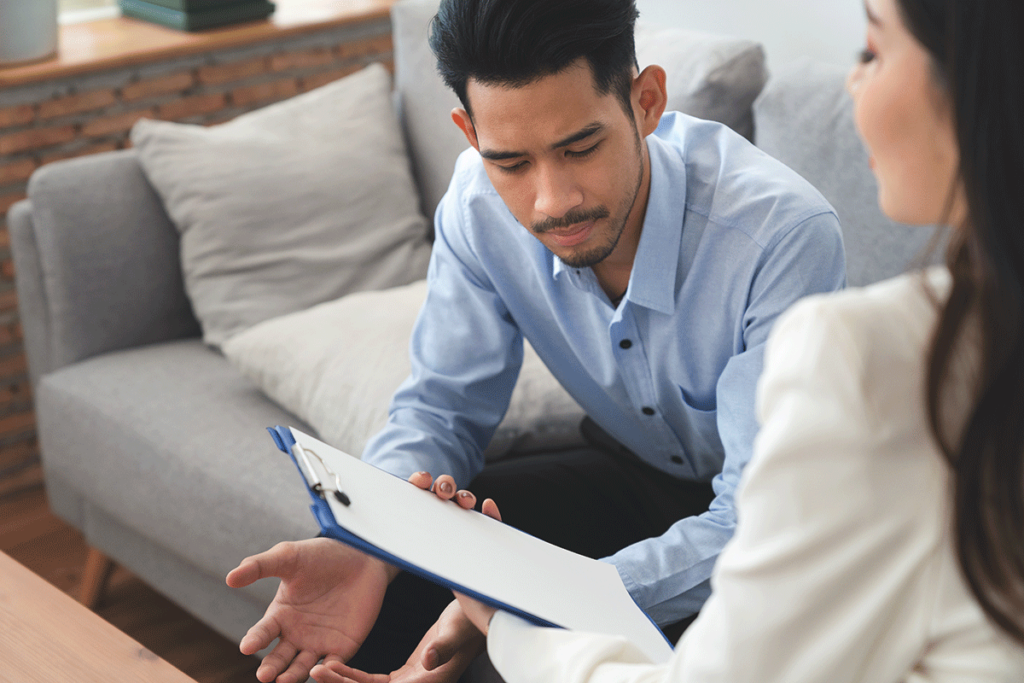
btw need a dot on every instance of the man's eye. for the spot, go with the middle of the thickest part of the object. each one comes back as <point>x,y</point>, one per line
<point>584,153</point>
<point>514,168</point>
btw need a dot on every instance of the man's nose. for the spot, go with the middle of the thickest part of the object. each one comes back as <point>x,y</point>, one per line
<point>557,191</point>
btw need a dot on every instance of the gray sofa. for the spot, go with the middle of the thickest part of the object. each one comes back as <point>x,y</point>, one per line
<point>153,443</point>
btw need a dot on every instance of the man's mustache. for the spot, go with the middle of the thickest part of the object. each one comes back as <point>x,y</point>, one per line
<point>572,218</point>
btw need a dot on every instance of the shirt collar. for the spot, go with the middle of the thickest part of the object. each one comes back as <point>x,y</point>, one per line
<point>652,283</point>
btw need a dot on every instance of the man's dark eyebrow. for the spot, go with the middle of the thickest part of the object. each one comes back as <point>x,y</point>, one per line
<point>579,135</point>
<point>494,155</point>
<point>584,133</point>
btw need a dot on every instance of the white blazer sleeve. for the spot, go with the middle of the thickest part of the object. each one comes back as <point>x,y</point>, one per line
<point>830,565</point>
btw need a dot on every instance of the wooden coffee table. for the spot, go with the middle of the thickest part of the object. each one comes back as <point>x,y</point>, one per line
<point>46,636</point>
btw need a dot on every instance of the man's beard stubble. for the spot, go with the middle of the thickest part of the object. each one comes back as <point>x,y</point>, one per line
<point>598,253</point>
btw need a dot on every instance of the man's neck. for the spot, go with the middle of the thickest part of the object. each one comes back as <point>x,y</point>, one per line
<point>613,273</point>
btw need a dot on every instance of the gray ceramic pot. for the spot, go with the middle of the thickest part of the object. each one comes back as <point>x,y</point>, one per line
<point>28,30</point>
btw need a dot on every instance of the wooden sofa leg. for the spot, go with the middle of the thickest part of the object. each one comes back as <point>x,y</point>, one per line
<point>94,578</point>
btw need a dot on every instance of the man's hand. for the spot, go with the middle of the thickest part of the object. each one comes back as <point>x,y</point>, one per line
<point>328,600</point>
<point>443,654</point>
<point>443,488</point>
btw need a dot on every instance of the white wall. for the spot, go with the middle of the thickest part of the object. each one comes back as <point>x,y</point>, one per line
<point>827,30</point>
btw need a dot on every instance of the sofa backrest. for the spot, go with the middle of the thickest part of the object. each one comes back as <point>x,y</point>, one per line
<point>711,77</point>
<point>97,262</point>
<point>804,118</point>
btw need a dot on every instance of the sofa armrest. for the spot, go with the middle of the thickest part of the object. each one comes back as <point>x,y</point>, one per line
<point>97,262</point>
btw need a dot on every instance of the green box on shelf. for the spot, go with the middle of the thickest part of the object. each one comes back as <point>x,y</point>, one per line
<point>207,13</point>
<point>192,5</point>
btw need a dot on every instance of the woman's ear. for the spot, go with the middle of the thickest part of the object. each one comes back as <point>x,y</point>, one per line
<point>649,97</point>
<point>462,119</point>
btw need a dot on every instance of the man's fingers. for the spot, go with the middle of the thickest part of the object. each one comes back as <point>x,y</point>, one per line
<point>276,662</point>
<point>490,508</point>
<point>444,487</point>
<point>343,672</point>
<point>299,669</point>
<point>421,480</point>
<point>466,499</point>
<point>279,561</point>
<point>259,636</point>
<point>323,674</point>
<point>246,573</point>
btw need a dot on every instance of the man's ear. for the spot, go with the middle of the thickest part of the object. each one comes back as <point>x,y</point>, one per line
<point>461,118</point>
<point>649,97</point>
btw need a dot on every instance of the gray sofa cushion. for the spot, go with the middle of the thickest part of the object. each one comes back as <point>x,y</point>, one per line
<point>804,118</point>
<point>177,451</point>
<point>290,205</point>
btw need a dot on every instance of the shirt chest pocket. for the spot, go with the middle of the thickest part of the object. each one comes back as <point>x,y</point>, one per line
<point>700,425</point>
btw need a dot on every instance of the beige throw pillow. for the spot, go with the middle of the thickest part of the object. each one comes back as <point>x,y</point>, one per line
<point>337,365</point>
<point>290,205</point>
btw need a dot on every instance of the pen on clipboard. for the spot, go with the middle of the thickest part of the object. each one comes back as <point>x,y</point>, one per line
<point>313,479</point>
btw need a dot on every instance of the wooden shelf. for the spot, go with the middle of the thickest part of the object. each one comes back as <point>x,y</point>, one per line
<point>112,43</point>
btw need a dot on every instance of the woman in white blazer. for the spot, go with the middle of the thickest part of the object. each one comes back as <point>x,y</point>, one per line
<point>881,521</point>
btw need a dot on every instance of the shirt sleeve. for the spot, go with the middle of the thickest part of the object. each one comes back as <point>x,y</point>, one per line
<point>465,353</point>
<point>827,576</point>
<point>669,575</point>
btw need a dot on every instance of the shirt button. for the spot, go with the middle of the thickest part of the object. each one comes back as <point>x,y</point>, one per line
<point>677,459</point>
<point>647,410</point>
<point>625,343</point>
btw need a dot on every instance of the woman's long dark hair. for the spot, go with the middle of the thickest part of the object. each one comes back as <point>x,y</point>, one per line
<point>977,48</point>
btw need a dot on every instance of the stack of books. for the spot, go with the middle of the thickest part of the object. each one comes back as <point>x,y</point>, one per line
<point>194,15</point>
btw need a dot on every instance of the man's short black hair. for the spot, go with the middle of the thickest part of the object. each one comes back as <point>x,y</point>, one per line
<point>517,42</point>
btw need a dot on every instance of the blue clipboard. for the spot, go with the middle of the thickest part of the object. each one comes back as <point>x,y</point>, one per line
<point>511,570</point>
<point>329,527</point>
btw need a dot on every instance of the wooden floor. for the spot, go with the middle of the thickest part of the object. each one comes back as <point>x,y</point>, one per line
<point>32,535</point>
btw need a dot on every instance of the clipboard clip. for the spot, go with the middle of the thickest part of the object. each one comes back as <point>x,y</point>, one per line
<point>313,480</point>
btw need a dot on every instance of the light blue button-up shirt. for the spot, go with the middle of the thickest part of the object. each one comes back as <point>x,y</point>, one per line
<point>730,239</point>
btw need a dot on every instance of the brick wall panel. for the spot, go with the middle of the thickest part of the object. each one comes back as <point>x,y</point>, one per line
<point>361,48</point>
<point>162,85</point>
<point>16,116</point>
<point>76,104</point>
<point>15,394</point>
<point>196,105</point>
<point>324,77</point>
<point>13,366</point>
<point>73,151</point>
<point>264,92</point>
<point>10,333</point>
<point>17,171</point>
<point>18,452</point>
<point>305,59</point>
<point>18,423</point>
<point>118,123</point>
<point>217,74</point>
<point>35,138</point>
<point>9,200</point>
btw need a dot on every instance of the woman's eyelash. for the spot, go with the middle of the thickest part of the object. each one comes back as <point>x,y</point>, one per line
<point>866,55</point>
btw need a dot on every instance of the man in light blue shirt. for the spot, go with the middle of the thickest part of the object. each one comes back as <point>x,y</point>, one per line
<point>730,239</point>
<point>644,256</point>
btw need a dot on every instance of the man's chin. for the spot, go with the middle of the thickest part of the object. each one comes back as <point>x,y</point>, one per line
<point>583,259</point>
